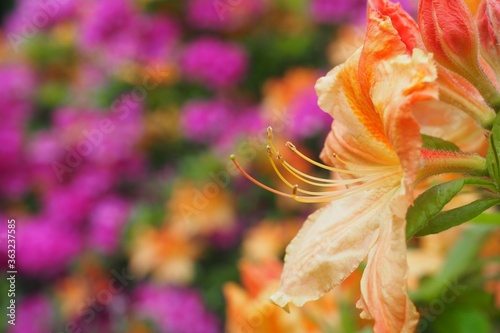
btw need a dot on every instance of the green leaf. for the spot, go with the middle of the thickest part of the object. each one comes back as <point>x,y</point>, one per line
<point>462,320</point>
<point>451,218</point>
<point>493,157</point>
<point>487,218</point>
<point>432,142</point>
<point>431,202</point>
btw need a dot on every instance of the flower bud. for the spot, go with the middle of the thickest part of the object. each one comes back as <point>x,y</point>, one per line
<point>449,31</point>
<point>488,23</point>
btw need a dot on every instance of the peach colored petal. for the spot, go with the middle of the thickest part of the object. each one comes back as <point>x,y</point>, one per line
<point>384,282</point>
<point>402,21</point>
<point>357,134</point>
<point>331,244</point>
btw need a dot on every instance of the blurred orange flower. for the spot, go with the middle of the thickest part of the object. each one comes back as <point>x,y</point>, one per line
<point>166,254</point>
<point>249,310</point>
<point>200,210</point>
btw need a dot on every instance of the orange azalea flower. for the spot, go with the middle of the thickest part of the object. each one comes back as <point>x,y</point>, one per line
<point>168,255</point>
<point>200,210</point>
<point>375,134</point>
<point>268,239</point>
<point>375,146</point>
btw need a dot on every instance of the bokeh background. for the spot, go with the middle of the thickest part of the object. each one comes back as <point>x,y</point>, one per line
<point>117,121</point>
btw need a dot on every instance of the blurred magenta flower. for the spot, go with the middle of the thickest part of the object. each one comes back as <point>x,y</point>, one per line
<point>31,16</point>
<point>224,15</point>
<point>66,206</point>
<point>13,170</point>
<point>45,250</point>
<point>16,94</point>
<point>204,121</point>
<point>214,63</point>
<point>120,33</point>
<point>291,103</point>
<point>307,118</point>
<point>95,136</point>
<point>348,11</point>
<point>158,36</point>
<point>219,123</point>
<point>106,224</point>
<point>109,26</point>
<point>34,315</point>
<point>328,11</point>
<point>174,310</point>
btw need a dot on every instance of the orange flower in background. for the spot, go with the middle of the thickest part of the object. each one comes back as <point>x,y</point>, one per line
<point>201,210</point>
<point>168,255</point>
<point>268,239</point>
<point>249,309</point>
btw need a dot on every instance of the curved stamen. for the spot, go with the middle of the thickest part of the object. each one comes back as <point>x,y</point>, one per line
<point>364,179</point>
<point>321,196</point>
<point>335,195</point>
<point>283,179</point>
<point>292,147</point>
<point>295,172</point>
<point>255,181</point>
<point>327,182</point>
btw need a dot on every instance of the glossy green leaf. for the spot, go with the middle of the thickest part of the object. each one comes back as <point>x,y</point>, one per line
<point>432,142</point>
<point>453,217</point>
<point>431,203</point>
<point>493,157</point>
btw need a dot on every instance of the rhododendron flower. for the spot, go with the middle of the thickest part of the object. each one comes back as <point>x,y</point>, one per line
<point>377,140</point>
<point>375,148</point>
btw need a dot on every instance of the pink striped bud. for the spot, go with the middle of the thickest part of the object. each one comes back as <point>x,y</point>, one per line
<point>449,31</point>
<point>488,22</point>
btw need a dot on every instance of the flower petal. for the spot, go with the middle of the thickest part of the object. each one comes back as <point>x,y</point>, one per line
<point>331,244</point>
<point>402,82</point>
<point>402,22</point>
<point>384,281</point>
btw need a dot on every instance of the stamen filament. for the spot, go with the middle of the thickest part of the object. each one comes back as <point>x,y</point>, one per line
<point>294,171</point>
<point>292,147</point>
<point>270,156</point>
<point>328,182</point>
<point>321,196</point>
<point>340,193</point>
<point>377,168</point>
<point>363,179</point>
<point>255,181</point>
